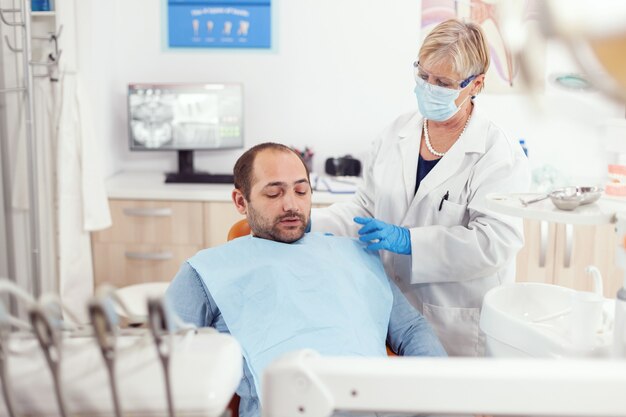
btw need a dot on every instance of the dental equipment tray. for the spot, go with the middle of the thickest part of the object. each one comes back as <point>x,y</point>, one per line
<point>205,369</point>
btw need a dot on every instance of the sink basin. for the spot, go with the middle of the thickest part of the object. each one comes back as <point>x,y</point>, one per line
<point>534,320</point>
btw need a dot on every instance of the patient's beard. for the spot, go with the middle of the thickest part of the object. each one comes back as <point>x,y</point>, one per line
<point>273,229</point>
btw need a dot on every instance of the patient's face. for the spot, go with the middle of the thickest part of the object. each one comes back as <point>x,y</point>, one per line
<point>280,197</point>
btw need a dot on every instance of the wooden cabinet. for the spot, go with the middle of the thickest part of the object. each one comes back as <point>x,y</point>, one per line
<point>557,253</point>
<point>148,240</point>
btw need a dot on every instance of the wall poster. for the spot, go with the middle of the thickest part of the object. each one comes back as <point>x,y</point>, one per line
<point>219,24</point>
<point>503,76</point>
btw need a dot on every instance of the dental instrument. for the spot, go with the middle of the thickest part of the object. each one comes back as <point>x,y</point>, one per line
<point>49,340</point>
<point>162,324</point>
<point>526,202</point>
<point>104,323</point>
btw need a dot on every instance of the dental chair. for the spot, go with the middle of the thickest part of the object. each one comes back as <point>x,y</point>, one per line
<point>239,229</point>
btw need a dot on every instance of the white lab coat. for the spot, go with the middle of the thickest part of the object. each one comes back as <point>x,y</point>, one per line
<point>82,198</point>
<point>458,252</point>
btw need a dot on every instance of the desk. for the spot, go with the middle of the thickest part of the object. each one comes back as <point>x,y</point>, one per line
<point>157,226</point>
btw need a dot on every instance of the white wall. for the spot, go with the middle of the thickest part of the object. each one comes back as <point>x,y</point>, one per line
<point>340,71</point>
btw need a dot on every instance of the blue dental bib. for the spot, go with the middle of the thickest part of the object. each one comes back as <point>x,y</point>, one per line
<point>322,292</point>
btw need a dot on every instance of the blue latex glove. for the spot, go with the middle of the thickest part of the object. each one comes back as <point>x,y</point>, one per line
<point>381,235</point>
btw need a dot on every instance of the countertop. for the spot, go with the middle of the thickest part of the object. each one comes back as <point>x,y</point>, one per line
<point>143,185</point>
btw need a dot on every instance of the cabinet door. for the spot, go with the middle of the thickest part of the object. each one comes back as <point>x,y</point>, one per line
<point>219,217</point>
<point>535,261</point>
<point>122,264</point>
<point>153,222</point>
<point>580,246</point>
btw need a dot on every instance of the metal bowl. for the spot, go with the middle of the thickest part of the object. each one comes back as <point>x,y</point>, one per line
<point>568,198</point>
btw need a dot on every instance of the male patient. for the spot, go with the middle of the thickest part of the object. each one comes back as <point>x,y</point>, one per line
<point>280,289</point>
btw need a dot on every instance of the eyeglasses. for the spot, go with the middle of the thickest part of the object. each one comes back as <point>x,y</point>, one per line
<point>445,82</point>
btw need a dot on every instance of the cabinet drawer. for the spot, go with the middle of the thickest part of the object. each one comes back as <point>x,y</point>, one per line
<point>155,222</point>
<point>122,264</point>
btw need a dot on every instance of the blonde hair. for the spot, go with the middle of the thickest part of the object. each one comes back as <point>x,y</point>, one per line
<point>463,45</point>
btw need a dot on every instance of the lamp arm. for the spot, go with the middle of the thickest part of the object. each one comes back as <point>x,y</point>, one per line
<point>305,384</point>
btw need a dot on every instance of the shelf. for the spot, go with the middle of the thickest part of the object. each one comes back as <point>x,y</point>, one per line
<point>601,212</point>
<point>43,14</point>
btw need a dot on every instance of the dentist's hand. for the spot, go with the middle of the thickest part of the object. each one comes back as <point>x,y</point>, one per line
<point>385,236</point>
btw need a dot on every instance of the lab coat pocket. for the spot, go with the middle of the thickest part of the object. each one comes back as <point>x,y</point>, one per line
<point>451,214</point>
<point>457,329</point>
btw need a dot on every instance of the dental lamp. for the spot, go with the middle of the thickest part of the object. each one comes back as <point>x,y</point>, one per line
<point>593,31</point>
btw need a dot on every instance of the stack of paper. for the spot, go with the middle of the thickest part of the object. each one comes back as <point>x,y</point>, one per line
<point>339,185</point>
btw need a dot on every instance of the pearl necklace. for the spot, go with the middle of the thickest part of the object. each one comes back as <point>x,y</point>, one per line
<point>427,137</point>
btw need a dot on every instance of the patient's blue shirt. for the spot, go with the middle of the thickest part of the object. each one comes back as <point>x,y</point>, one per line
<point>322,292</point>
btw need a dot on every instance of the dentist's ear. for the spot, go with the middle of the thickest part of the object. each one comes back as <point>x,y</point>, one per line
<point>477,85</point>
<point>240,201</point>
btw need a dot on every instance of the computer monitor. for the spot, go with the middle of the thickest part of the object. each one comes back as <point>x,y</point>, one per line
<point>184,118</point>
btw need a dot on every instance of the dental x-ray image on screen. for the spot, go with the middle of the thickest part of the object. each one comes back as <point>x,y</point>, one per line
<point>173,117</point>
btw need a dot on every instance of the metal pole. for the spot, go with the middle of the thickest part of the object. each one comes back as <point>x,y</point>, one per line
<point>8,211</point>
<point>31,146</point>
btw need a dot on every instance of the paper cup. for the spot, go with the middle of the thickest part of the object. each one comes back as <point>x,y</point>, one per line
<point>586,318</point>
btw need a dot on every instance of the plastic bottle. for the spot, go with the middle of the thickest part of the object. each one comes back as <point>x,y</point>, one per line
<point>619,328</point>
<point>522,143</point>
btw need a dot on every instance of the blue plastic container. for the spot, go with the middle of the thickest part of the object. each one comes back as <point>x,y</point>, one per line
<point>40,5</point>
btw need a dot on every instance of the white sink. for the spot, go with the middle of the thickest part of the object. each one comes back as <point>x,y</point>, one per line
<point>533,319</point>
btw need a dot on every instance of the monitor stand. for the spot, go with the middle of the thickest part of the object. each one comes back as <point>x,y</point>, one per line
<point>186,173</point>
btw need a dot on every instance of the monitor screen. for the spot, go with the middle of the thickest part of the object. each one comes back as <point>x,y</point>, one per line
<point>185,116</point>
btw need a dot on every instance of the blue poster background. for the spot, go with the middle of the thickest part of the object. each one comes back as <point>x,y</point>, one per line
<point>223,24</point>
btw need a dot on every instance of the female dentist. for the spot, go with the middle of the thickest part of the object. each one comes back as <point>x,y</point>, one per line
<point>422,201</point>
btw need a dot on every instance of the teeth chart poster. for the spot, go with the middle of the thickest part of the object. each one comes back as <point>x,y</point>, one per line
<point>219,24</point>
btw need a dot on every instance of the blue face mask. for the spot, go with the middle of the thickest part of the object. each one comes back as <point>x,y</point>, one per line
<point>436,103</point>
